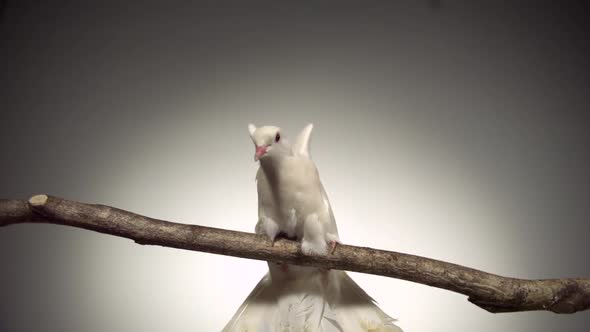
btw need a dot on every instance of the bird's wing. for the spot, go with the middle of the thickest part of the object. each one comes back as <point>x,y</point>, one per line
<point>332,229</point>
<point>301,145</point>
<point>265,201</point>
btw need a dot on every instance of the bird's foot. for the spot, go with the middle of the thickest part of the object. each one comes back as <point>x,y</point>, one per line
<point>269,227</point>
<point>333,244</point>
<point>313,242</point>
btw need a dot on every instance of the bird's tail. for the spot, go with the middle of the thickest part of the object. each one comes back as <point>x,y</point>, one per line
<point>309,300</point>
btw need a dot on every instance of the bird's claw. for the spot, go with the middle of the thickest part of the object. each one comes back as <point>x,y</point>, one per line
<point>333,244</point>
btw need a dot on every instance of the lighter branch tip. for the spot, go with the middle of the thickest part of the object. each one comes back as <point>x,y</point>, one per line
<point>38,200</point>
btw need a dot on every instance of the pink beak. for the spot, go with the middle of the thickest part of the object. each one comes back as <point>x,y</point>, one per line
<point>260,151</point>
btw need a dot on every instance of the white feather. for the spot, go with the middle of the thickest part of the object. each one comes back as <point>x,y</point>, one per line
<point>301,145</point>
<point>251,129</point>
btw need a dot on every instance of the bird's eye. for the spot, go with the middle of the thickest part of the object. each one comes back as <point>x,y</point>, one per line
<point>278,137</point>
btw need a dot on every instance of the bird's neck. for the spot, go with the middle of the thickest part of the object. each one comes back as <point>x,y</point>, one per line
<point>270,166</point>
<point>272,163</point>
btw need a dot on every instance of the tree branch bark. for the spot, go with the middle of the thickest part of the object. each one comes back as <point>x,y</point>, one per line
<point>491,292</point>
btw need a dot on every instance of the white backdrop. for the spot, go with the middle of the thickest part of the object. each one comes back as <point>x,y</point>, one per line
<point>450,132</point>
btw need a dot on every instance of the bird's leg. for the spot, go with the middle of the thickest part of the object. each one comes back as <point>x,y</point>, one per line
<point>314,241</point>
<point>270,228</point>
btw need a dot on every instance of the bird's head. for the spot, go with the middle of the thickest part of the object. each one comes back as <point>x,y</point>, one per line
<point>267,140</point>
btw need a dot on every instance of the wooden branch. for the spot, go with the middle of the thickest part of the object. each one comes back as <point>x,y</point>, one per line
<point>491,292</point>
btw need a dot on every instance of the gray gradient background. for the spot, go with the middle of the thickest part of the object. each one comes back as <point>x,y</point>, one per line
<point>445,129</point>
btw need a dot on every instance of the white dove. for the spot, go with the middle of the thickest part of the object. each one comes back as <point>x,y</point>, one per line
<point>292,202</point>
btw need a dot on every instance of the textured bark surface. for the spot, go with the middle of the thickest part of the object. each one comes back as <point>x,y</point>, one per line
<point>488,291</point>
